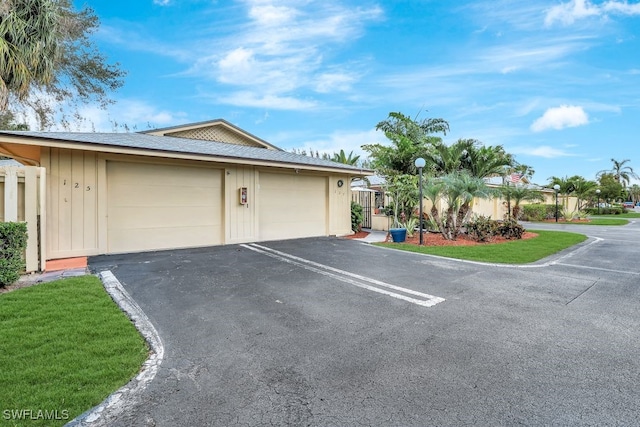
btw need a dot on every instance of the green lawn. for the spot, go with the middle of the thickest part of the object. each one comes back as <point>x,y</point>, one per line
<point>624,215</point>
<point>64,347</point>
<point>599,220</point>
<point>515,252</point>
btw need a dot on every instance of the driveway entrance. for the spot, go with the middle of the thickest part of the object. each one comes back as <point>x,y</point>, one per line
<point>251,339</point>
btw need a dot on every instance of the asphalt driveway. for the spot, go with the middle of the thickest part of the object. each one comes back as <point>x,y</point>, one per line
<point>334,332</point>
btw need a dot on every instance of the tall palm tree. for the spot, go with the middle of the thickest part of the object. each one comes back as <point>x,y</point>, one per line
<point>29,46</point>
<point>621,173</point>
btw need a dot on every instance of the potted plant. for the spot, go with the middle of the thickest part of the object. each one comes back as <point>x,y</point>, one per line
<point>403,190</point>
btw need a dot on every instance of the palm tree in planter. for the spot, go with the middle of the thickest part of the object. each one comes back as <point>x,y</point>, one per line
<point>457,189</point>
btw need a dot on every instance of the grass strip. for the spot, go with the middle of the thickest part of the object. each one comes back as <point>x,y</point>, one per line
<point>64,347</point>
<point>623,215</point>
<point>601,221</point>
<point>515,252</point>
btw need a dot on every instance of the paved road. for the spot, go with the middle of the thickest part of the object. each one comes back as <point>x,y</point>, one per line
<point>255,337</point>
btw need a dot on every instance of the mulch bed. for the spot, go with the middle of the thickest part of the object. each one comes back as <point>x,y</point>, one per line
<point>358,235</point>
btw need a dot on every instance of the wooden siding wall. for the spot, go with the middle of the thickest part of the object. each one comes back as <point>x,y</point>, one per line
<point>22,199</point>
<point>73,202</point>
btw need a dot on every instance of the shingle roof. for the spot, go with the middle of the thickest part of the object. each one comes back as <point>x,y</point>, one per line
<point>186,146</point>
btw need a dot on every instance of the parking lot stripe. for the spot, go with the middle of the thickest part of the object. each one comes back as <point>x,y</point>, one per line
<point>423,299</point>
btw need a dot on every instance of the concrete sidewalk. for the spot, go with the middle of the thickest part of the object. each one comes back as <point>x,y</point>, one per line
<point>374,236</point>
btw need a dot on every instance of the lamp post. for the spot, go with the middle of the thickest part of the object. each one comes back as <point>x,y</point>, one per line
<point>556,188</point>
<point>598,194</point>
<point>420,162</point>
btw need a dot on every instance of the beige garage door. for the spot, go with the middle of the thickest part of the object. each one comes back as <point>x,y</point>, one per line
<point>162,206</point>
<point>292,206</point>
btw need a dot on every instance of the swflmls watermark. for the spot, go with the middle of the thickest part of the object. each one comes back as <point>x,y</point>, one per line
<point>33,415</point>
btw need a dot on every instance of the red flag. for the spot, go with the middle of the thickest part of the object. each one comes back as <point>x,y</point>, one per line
<point>515,177</point>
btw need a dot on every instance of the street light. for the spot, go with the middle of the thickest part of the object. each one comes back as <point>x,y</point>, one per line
<point>556,188</point>
<point>598,193</point>
<point>420,162</point>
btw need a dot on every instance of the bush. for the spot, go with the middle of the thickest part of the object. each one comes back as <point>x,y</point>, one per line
<point>482,228</point>
<point>614,210</point>
<point>536,212</point>
<point>13,241</point>
<point>539,212</point>
<point>357,216</point>
<point>510,229</point>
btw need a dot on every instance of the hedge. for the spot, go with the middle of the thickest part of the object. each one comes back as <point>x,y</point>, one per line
<point>13,242</point>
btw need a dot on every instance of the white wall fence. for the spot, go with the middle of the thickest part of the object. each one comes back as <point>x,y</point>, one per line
<point>22,199</point>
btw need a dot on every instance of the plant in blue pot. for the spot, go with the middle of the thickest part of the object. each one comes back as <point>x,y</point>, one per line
<point>403,191</point>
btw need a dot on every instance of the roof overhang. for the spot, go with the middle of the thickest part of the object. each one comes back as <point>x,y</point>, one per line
<point>164,154</point>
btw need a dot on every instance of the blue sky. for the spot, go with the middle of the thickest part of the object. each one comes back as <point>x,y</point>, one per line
<point>557,83</point>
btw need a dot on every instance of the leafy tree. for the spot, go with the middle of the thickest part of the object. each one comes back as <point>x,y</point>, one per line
<point>8,122</point>
<point>409,138</point>
<point>48,60</point>
<point>621,173</point>
<point>404,193</point>
<point>634,193</point>
<point>341,157</point>
<point>610,188</point>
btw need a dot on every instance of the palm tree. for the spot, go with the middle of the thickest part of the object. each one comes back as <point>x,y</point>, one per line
<point>486,161</point>
<point>582,189</point>
<point>29,46</point>
<point>621,173</point>
<point>518,194</point>
<point>341,157</point>
<point>468,155</point>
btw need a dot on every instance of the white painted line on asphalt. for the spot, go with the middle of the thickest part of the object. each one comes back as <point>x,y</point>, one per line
<point>610,270</point>
<point>347,277</point>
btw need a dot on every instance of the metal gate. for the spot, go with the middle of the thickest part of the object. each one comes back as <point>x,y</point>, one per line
<point>365,202</point>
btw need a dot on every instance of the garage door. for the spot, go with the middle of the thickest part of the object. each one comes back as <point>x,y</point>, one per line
<point>162,206</point>
<point>292,206</point>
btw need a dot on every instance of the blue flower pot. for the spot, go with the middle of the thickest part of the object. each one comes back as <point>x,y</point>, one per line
<point>398,235</point>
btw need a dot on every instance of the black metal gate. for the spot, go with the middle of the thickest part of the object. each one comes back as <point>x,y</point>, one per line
<point>365,202</point>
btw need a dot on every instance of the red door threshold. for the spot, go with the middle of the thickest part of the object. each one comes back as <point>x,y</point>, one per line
<point>66,263</point>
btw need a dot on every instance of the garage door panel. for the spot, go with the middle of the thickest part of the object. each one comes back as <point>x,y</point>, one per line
<point>164,216</point>
<point>153,206</point>
<point>158,238</point>
<point>156,196</point>
<point>292,206</point>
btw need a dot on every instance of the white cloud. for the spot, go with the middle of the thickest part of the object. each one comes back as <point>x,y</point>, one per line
<point>350,140</point>
<point>275,102</point>
<point>162,2</point>
<point>561,117</point>
<point>544,151</point>
<point>574,10</point>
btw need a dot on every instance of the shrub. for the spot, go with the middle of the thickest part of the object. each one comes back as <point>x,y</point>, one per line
<point>613,210</point>
<point>357,216</point>
<point>535,212</point>
<point>482,228</point>
<point>510,229</point>
<point>13,241</point>
<point>410,225</point>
